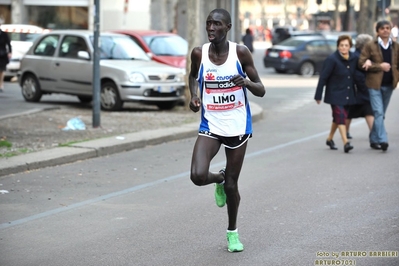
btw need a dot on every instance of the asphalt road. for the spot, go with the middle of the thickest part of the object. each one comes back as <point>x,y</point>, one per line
<point>13,104</point>
<point>302,204</point>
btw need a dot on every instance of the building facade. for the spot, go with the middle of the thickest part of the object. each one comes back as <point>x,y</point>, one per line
<point>307,14</point>
<point>165,15</point>
<point>76,14</point>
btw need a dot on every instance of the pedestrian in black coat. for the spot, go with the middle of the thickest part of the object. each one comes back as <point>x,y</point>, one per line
<point>337,76</point>
<point>362,108</point>
<point>248,40</point>
<point>5,55</point>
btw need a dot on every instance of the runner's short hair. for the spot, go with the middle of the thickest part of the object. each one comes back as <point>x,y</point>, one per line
<point>224,12</point>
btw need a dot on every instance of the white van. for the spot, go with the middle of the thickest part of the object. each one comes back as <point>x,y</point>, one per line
<point>21,37</point>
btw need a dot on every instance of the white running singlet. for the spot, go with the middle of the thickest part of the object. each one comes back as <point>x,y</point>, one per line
<point>225,107</point>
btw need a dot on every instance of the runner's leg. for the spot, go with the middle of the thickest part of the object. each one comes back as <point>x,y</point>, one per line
<point>235,159</point>
<point>205,149</point>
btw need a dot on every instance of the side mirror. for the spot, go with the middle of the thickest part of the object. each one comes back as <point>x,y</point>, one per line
<point>84,55</point>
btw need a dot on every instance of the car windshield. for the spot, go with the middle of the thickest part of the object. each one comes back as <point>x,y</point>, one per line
<point>120,48</point>
<point>292,42</point>
<point>24,37</point>
<point>171,45</point>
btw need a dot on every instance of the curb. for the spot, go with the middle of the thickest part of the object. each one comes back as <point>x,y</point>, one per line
<point>28,112</point>
<point>102,147</point>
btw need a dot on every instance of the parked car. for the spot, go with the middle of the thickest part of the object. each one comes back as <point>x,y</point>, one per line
<point>282,33</point>
<point>21,37</point>
<point>62,62</point>
<point>333,35</point>
<point>164,47</point>
<point>303,55</point>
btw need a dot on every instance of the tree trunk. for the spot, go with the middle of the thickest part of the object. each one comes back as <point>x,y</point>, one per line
<point>193,11</point>
<point>336,16</point>
<point>347,18</point>
<point>367,17</point>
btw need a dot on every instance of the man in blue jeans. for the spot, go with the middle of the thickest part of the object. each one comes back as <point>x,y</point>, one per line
<point>380,58</point>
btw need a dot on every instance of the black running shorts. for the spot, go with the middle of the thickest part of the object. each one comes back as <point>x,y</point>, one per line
<point>228,142</point>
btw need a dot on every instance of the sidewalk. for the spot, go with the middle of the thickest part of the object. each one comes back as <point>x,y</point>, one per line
<point>102,147</point>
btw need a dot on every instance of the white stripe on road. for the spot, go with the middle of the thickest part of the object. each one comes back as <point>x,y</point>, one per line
<point>154,183</point>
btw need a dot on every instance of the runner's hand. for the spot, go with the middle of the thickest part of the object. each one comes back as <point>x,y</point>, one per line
<point>195,104</point>
<point>238,80</point>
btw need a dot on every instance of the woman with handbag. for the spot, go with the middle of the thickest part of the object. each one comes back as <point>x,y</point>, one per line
<point>337,75</point>
<point>5,55</point>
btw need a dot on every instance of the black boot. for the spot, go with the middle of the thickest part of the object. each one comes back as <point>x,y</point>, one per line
<point>375,146</point>
<point>331,144</point>
<point>384,146</point>
<point>348,147</point>
<point>348,136</point>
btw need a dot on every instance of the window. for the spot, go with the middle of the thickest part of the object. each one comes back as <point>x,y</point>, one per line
<point>22,32</point>
<point>47,45</point>
<point>318,46</point>
<point>292,42</point>
<point>332,44</point>
<point>167,45</point>
<point>71,45</point>
<point>58,17</point>
<point>120,48</point>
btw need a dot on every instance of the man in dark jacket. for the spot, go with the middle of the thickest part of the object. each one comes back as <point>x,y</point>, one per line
<point>381,78</point>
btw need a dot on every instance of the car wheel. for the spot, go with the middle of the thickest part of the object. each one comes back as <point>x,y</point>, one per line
<point>85,99</point>
<point>281,71</point>
<point>306,69</point>
<point>110,99</point>
<point>31,90</point>
<point>166,105</point>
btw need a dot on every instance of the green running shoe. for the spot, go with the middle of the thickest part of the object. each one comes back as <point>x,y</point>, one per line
<point>220,195</point>
<point>234,244</point>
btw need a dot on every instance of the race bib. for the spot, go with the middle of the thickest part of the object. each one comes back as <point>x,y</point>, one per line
<point>222,96</point>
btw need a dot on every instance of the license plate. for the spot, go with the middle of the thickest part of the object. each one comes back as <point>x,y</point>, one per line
<point>273,54</point>
<point>165,89</point>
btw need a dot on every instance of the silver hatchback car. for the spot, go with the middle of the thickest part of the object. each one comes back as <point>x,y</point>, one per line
<point>62,62</point>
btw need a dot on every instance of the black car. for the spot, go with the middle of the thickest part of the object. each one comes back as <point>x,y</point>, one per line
<point>280,34</point>
<point>303,55</point>
<point>333,35</point>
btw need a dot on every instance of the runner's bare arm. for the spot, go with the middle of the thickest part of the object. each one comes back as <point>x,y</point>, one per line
<point>195,101</point>
<point>254,84</point>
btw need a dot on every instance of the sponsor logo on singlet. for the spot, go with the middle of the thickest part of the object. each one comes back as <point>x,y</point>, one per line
<point>221,93</point>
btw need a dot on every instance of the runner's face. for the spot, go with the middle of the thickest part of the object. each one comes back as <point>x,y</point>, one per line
<point>216,27</point>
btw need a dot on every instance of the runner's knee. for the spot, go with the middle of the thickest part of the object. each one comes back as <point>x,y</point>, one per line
<point>230,188</point>
<point>198,178</point>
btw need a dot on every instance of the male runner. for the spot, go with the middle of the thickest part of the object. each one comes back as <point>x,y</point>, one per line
<point>219,87</point>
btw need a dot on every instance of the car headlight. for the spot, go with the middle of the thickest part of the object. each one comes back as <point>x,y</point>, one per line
<point>136,77</point>
<point>180,77</point>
